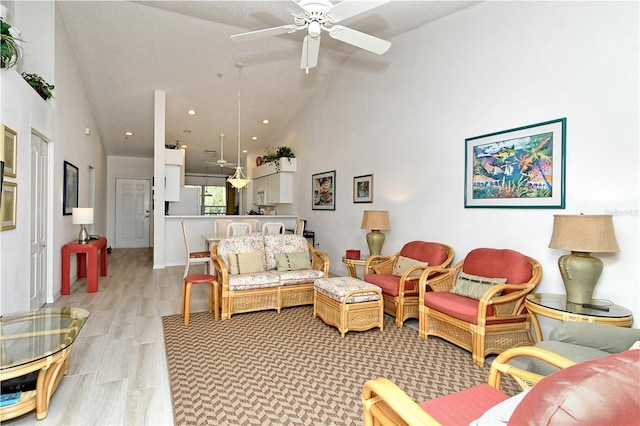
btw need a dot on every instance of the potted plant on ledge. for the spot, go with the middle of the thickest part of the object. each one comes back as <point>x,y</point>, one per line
<point>39,85</point>
<point>274,156</point>
<point>10,48</point>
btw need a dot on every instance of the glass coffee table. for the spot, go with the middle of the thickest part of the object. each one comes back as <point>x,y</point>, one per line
<point>34,355</point>
<point>555,306</point>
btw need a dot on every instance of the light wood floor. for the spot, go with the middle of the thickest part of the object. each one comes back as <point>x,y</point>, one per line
<point>118,371</point>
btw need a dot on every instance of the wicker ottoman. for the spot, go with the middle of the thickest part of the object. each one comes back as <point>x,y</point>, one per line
<point>348,304</point>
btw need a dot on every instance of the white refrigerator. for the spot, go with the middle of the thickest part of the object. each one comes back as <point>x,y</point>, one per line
<point>189,204</point>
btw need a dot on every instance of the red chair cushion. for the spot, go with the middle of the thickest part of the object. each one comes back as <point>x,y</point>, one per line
<point>425,251</point>
<point>462,308</point>
<point>390,284</point>
<point>498,263</point>
<point>461,408</point>
<point>603,391</point>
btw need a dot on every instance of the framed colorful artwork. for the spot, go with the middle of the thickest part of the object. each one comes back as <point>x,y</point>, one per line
<point>363,189</point>
<point>9,149</point>
<point>9,206</point>
<point>323,194</point>
<point>517,168</point>
<point>70,186</point>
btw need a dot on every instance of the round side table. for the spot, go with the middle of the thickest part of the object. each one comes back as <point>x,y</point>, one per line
<point>555,306</point>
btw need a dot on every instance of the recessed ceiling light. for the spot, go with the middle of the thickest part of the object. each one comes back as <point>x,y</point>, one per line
<point>187,131</point>
<point>191,112</point>
<point>266,121</point>
<point>128,133</point>
<point>183,146</point>
<point>244,151</point>
<point>254,138</point>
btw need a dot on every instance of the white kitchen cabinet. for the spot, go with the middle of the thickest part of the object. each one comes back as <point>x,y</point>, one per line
<point>171,182</point>
<point>273,189</point>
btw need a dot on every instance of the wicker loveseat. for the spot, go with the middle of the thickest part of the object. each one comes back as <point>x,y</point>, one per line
<point>261,272</point>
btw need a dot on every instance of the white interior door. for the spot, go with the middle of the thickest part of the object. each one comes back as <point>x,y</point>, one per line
<point>38,225</point>
<point>132,212</point>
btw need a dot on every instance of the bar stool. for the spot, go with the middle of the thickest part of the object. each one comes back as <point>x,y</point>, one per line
<point>214,303</point>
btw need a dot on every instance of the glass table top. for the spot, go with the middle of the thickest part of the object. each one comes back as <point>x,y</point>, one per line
<point>559,302</point>
<point>29,336</point>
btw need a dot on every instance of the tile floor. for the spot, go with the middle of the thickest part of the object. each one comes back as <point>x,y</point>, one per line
<point>117,372</point>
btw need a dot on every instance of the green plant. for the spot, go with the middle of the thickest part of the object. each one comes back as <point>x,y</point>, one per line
<point>10,50</point>
<point>39,84</point>
<point>274,155</point>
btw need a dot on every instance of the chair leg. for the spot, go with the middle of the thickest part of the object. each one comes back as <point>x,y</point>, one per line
<point>187,301</point>
<point>216,300</point>
<point>211,290</point>
<point>184,288</point>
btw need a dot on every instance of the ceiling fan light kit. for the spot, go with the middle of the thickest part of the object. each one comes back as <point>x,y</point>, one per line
<point>319,15</point>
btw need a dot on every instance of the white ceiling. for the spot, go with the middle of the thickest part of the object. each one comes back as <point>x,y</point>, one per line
<point>127,49</point>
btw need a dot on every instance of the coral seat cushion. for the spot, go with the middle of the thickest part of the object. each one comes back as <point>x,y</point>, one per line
<point>390,284</point>
<point>498,263</point>
<point>461,408</point>
<point>424,251</point>
<point>461,307</point>
<point>603,391</point>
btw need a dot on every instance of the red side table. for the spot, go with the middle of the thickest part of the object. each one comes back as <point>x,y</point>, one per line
<point>85,253</point>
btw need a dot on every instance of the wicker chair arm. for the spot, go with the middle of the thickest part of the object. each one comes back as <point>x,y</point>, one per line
<point>385,404</point>
<point>379,264</point>
<point>524,378</point>
<point>511,304</point>
<point>439,279</point>
<point>320,260</point>
<point>222,272</point>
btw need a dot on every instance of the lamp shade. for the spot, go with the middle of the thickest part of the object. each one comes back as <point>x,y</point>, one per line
<point>82,215</point>
<point>584,233</point>
<point>375,220</point>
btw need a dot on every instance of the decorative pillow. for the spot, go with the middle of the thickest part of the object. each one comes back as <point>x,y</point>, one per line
<point>404,263</point>
<point>246,263</point>
<point>501,413</point>
<point>474,286</point>
<point>293,261</point>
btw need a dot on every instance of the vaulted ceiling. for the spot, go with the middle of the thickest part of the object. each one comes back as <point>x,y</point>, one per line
<point>128,49</point>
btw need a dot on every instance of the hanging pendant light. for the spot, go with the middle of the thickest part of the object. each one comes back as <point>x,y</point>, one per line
<point>238,179</point>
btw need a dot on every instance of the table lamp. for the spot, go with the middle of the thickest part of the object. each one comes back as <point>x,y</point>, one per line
<point>82,216</point>
<point>376,221</point>
<point>582,235</point>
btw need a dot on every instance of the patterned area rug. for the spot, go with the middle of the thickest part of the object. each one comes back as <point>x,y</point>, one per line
<point>266,368</point>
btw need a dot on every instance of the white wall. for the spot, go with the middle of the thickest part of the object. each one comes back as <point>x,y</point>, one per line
<point>61,121</point>
<point>495,66</point>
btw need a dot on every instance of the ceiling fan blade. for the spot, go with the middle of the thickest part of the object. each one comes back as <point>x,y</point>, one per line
<point>361,40</point>
<point>253,35</point>
<point>310,52</point>
<point>347,9</point>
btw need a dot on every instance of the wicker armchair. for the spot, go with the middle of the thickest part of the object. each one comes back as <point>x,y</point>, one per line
<point>399,292</point>
<point>495,322</point>
<point>385,403</point>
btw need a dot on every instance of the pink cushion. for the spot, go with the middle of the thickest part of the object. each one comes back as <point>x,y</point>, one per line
<point>461,307</point>
<point>463,407</point>
<point>603,391</point>
<point>424,251</point>
<point>390,284</point>
<point>199,278</point>
<point>496,263</point>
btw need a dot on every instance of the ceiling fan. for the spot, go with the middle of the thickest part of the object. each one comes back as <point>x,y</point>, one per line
<point>318,15</point>
<point>221,162</point>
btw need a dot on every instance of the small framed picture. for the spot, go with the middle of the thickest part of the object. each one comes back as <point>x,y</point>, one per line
<point>70,187</point>
<point>363,189</point>
<point>9,205</point>
<point>323,191</point>
<point>9,149</point>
